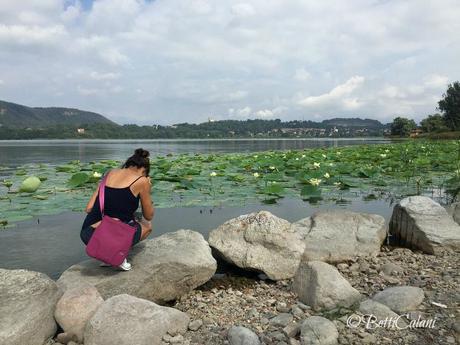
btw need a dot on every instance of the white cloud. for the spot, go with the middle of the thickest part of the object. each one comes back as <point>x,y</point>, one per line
<point>31,35</point>
<point>436,81</point>
<point>337,94</point>
<point>264,114</point>
<point>199,57</point>
<point>247,112</point>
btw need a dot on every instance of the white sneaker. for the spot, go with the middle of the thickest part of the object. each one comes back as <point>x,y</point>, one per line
<point>125,266</point>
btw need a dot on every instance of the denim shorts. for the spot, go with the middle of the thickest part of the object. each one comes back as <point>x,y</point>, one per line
<point>87,232</point>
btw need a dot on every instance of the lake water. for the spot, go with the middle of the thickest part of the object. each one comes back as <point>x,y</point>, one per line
<point>18,152</point>
<point>51,244</point>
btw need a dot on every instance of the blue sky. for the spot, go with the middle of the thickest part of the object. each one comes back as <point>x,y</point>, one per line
<point>171,61</point>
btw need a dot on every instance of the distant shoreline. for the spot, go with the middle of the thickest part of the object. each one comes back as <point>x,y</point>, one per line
<point>202,139</point>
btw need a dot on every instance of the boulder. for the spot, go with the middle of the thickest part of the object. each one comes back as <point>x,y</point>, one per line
<point>75,308</point>
<point>317,330</point>
<point>420,222</point>
<point>339,235</point>
<point>259,241</point>
<point>454,211</point>
<point>128,320</point>
<point>164,268</point>
<point>321,286</point>
<point>28,300</point>
<point>400,298</point>
<point>377,312</point>
<point>239,335</point>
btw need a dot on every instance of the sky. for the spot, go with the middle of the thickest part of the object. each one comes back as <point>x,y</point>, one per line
<point>174,61</point>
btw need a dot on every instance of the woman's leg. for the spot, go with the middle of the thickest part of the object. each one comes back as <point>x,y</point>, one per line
<point>86,233</point>
<point>146,228</point>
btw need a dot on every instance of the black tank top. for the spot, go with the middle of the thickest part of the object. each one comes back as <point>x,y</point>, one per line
<point>119,203</point>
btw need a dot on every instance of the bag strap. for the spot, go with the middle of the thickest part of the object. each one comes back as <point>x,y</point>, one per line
<point>102,192</point>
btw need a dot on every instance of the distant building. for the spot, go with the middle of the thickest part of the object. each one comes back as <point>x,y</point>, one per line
<point>80,130</point>
<point>210,119</point>
<point>415,132</point>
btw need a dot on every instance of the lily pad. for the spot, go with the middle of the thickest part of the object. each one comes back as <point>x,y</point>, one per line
<point>78,179</point>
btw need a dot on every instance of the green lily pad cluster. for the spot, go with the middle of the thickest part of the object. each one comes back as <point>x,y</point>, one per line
<point>313,175</point>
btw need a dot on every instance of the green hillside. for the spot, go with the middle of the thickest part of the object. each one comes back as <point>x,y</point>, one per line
<point>14,115</point>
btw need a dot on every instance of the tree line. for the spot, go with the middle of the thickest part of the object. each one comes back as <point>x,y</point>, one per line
<point>213,129</point>
<point>447,120</point>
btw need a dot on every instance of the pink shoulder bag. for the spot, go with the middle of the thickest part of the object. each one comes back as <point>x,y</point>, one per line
<point>112,239</point>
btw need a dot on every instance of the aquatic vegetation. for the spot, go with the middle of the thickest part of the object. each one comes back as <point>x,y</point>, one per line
<point>313,175</point>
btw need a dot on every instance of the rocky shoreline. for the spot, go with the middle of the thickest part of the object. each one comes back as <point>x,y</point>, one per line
<point>231,299</point>
<point>315,281</point>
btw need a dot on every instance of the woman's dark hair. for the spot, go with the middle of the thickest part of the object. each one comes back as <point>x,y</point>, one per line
<point>140,159</point>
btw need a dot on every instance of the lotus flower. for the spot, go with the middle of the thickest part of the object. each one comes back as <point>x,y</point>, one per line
<point>316,165</point>
<point>326,175</point>
<point>256,174</point>
<point>315,181</point>
<point>96,174</point>
<point>213,174</point>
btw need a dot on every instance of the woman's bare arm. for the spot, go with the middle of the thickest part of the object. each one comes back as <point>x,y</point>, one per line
<point>91,201</point>
<point>146,199</point>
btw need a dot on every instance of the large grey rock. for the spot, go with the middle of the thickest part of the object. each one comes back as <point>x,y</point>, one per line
<point>400,298</point>
<point>339,235</point>
<point>128,320</point>
<point>164,268</point>
<point>75,308</point>
<point>321,286</point>
<point>259,241</point>
<point>377,311</point>
<point>27,303</point>
<point>454,211</point>
<point>317,330</point>
<point>239,335</point>
<point>420,222</point>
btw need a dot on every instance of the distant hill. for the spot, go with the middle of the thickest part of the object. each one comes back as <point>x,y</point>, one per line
<point>14,115</point>
<point>353,122</point>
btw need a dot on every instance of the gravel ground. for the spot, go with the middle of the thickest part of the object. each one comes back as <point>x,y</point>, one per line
<point>271,309</point>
